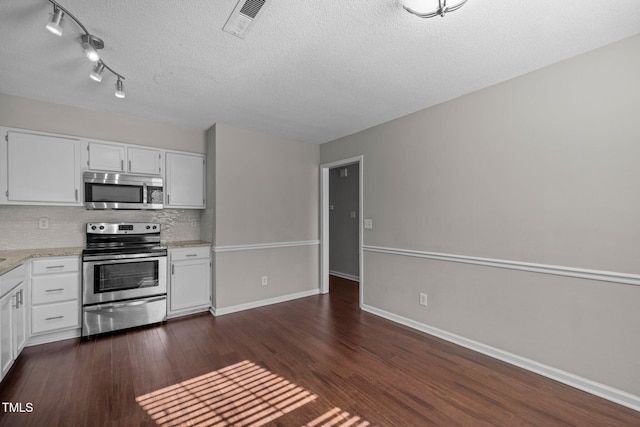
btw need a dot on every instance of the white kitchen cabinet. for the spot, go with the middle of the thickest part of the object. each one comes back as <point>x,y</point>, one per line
<point>55,294</point>
<point>6,333</point>
<point>106,157</point>
<point>185,180</point>
<point>114,157</point>
<point>13,326</point>
<point>189,280</point>
<point>42,169</point>
<point>144,161</point>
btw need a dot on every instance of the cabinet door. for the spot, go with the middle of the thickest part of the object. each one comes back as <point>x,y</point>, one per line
<point>43,169</point>
<point>190,284</point>
<point>185,181</point>
<point>106,157</point>
<point>6,336</point>
<point>19,320</point>
<point>143,160</point>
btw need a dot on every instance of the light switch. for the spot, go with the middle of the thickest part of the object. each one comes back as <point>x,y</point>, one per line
<point>353,215</point>
<point>368,224</point>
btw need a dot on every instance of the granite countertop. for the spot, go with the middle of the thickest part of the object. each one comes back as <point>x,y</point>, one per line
<point>13,258</point>
<point>186,244</point>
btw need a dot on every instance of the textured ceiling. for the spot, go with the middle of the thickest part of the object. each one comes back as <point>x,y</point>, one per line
<point>307,71</point>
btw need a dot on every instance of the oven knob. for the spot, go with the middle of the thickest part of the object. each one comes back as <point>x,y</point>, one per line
<point>148,227</point>
<point>102,227</point>
<point>93,227</point>
<point>154,227</point>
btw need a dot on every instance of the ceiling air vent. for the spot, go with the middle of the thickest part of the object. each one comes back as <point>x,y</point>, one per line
<point>242,17</point>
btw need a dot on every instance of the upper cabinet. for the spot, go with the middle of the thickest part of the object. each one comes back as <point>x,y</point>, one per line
<point>122,158</point>
<point>106,157</point>
<point>41,169</point>
<point>185,180</point>
<point>46,169</point>
<point>144,160</point>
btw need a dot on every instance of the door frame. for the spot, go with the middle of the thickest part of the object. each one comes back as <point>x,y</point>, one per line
<point>324,221</point>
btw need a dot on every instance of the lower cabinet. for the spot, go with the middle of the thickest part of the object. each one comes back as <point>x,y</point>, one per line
<point>55,296</point>
<point>189,280</point>
<point>13,317</point>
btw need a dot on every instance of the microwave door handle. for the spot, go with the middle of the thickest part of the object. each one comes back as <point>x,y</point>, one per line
<point>144,194</point>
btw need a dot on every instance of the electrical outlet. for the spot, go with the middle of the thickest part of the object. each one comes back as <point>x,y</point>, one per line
<point>43,223</point>
<point>423,299</point>
<point>265,281</point>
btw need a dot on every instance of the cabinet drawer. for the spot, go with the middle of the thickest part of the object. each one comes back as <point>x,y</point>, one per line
<point>55,288</point>
<point>52,317</point>
<point>55,265</point>
<point>197,252</point>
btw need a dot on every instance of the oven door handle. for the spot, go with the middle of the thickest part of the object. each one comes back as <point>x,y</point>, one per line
<point>132,303</point>
<point>122,258</point>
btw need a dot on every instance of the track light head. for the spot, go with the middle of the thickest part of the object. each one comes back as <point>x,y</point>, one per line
<point>98,70</point>
<point>55,24</point>
<point>90,46</point>
<point>119,88</point>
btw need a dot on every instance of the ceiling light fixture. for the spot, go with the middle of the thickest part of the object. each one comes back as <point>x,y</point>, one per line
<point>55,25</point>
<point>90,45</point>
<point>424,8</point>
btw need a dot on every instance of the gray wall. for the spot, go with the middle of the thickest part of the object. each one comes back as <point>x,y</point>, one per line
<point>541,169</point>
<point>18,224</point>
<point>266,192</point>
<point>343,229</point>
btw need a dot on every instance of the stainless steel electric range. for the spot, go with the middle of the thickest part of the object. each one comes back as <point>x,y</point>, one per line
<point>124,277</point>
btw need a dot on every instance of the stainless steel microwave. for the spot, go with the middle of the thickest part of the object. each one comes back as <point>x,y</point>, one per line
<point>120,191</point>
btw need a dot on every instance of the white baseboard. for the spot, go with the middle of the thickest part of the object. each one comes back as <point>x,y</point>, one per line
<point>345,275</point>
<point>188,312</point>
<point>618,396</point>
<point>56,336</point>
<point>255,304</point>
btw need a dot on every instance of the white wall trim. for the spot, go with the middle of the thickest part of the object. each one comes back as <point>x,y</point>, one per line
<point>345,275</point>
<point>605,276</point>
<point>264,302</point>
<point>606,392</point>
<point>233,248</point>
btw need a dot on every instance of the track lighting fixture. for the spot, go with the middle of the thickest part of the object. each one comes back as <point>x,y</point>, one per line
<point>119,89</point>
<point>55,25</point>
<point>96,73</point>
<point>425,8</point>
<point>90,45</point>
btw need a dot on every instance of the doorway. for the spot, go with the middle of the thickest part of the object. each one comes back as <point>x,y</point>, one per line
<point>340,167</point>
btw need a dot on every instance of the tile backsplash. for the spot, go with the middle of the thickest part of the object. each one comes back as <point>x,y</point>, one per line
<point>19,225</point>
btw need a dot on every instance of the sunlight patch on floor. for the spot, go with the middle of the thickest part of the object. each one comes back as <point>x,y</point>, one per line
<point>338,417</point>
<point>243,394</point>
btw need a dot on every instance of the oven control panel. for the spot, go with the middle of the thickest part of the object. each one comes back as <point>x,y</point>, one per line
<point>123,228</point>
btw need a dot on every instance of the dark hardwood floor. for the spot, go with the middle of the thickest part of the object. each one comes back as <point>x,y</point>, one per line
<point>309,362</point>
